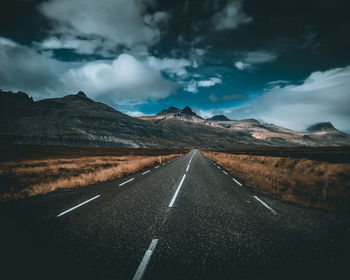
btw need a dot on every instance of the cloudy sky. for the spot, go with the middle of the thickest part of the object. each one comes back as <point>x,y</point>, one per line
<point>285,62</point>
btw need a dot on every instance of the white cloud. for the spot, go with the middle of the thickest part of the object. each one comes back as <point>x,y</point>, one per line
<point>23,69</point>
<point>241,65</point>
<point>193,85</point>
<point>200,52</point>
<point>125,78</point>
<point>81,46</point>
<point>156,19</point>
<point>196,56</point>
<point>249,59</point>
<point>120,79</point>
<point>231,16</point>
<point>205,114</point>
<point>169,65</point>
<point>209,83</point>
<point>323,96</point>
<point>122,22</point>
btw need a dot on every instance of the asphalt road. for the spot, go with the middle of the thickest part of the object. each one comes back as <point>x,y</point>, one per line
<point>186,219</point>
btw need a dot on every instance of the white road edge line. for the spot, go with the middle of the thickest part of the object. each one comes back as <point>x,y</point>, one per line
<point>225,172</point>
<point>145,260</point>
<point>263,203</point>
<point>237,182</point>
<point>146,172</point>
<point>126,182</point>
<point>177,191</point>
<point>188,166</point>
<point>81,204</point>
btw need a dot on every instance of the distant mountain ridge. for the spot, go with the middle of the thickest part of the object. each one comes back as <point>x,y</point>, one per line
<point>186,114</point>
<point>321,126</point>
<point>77,120</point>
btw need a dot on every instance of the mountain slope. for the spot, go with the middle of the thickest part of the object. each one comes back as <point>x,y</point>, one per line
<point>319,127</point>
<point>218,118</point>
<point>77,120</point>
<point>322,134</point>
<point>186,114</point>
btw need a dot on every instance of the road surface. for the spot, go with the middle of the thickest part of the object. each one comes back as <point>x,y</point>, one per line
<point>185,219</point>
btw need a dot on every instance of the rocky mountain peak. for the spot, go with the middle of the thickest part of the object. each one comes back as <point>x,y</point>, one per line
<point>81,95</point>
<point>188,111</point>
<point>321,126</point>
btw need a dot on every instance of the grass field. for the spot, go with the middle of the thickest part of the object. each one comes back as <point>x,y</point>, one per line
<point>327,154</point>
<point>33,173</point>
<point>319,184</point>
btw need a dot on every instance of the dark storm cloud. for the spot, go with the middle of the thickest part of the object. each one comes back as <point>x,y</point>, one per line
<point>104,24</point>
<point>124,78</point>
<point>231,16</point>
<point>206,53</point>
<point>91,27</point>
<point>21,68</point>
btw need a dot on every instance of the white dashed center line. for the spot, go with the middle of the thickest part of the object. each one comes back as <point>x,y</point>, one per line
<point>237,182</point>
<point>75,207</point>
<point>225,172</point>
<point>146,172</point>
<point>156,166</point>
<point>263,203</point>
<point>126,182</point>
<point>145,260</point>
<point>177,191</point>
<point>188,166</point>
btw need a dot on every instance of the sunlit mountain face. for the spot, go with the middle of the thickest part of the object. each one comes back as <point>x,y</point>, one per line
<point>282,62</point>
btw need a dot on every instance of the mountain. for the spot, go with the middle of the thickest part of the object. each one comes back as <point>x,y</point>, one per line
<point>77,120</point>
<point>11,101</point>
<point>280,136</point>
<point>325,132</point>
<point>321,126</point>
<point>74,120</point>
<point>186,114</point>
<point>218,118</point>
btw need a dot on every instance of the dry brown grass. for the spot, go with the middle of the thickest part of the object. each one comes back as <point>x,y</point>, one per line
<point>19,179</point>
<point>302,181</point>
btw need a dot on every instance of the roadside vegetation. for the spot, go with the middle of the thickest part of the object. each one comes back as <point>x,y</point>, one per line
<point>310,183</point>
<point>28,177</point>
